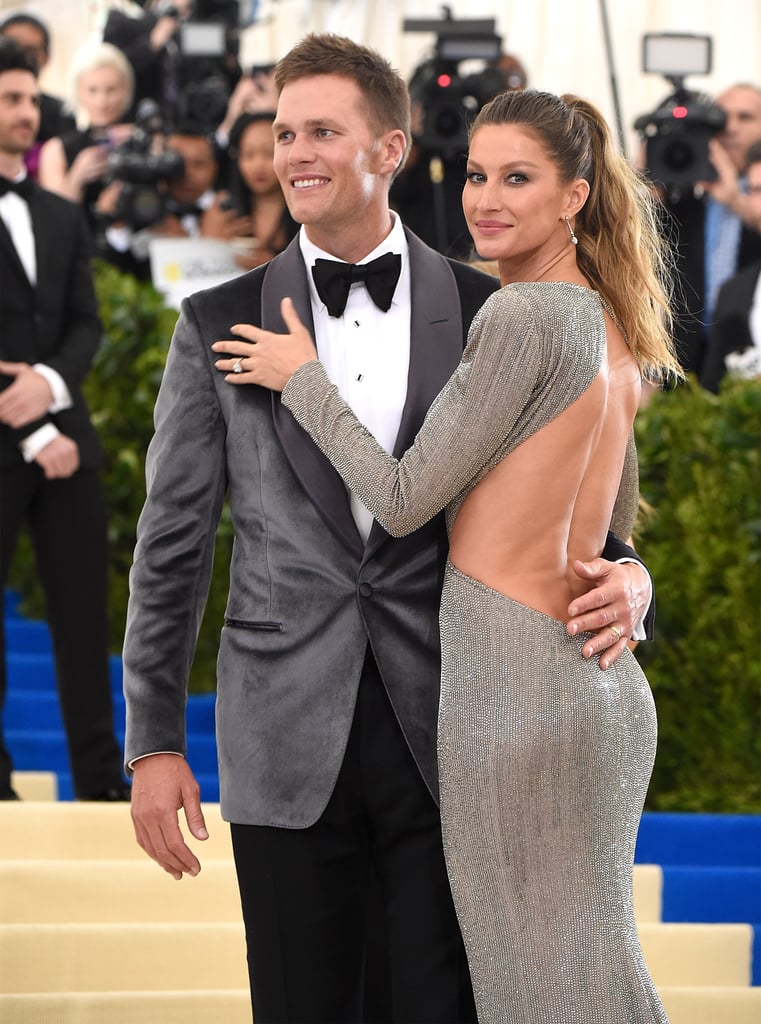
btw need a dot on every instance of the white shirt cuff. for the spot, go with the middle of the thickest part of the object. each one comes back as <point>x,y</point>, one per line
<point>32,445</point>
<point>133,762</point>
<point>639,629</point>
<point>61,395</point>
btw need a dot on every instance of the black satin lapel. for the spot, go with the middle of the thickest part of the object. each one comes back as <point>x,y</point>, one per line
<point>436,345</point>
<point>286,276</point>
<point>6,244</point>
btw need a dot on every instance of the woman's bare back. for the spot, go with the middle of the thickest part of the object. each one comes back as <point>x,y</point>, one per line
<point>549,501</point>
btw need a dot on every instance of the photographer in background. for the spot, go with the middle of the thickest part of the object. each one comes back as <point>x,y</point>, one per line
<point>149,43</point>
<point>734,340</point>
<point>714,225</point>
<point>195,209</point>
<point>76,165</point>
<point>184,56</point>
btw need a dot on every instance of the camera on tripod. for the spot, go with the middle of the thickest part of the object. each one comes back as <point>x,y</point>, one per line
<point>449,100</point>
<point>678,131</point>
<point>143,165</point>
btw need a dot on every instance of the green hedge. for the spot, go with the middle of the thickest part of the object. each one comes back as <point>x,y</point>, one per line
<point>700,465</point>
<point>699,459</point>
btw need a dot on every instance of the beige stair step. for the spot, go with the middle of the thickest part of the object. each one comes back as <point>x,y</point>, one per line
<point>203,1007</point>
<point>726,1005</point>
<point>648,893</point>
<point>36,786</point>
<point>37,891</point>
<point>119,957</point>
<point>68,829</point>
<point>702,955</point>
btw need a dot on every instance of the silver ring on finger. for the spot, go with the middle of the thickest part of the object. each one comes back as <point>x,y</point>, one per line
<point>238,365</point>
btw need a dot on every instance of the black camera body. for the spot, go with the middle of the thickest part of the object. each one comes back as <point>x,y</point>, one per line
<point>449,101</point>
<point>678,131</point>
<point>677,136</point>
<point>143,170</point>
<point>208,69</point>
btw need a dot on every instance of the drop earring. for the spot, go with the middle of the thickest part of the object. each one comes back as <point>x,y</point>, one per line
<point>574,239</point>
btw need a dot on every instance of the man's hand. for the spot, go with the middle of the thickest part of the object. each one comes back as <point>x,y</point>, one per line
<point>726,189</point>
<point>612,609</point>
<point>59,458</point>
<point>162,785</point>
<point>25,400</point>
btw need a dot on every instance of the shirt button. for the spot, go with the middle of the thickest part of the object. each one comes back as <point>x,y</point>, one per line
<point>365,589</point>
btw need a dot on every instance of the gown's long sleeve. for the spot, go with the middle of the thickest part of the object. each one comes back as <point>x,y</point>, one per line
<point>532,351</point>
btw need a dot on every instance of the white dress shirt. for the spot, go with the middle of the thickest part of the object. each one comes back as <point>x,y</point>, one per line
<point>754,317</point>
<point>15,213</point>
<point>366,352</point>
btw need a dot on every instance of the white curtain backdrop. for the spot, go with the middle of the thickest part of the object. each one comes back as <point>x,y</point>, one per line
<point>560,42</point>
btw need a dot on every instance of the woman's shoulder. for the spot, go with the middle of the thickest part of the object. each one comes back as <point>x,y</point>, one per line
<point>558,324</point>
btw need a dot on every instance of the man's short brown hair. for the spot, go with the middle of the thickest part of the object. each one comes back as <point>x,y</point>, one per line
<point>383,89</point>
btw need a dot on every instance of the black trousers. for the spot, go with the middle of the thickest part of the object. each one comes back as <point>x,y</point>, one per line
<point>67,522</point>
<point>352,919</point>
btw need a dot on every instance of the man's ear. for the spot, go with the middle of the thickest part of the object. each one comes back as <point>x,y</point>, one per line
<point>393,147</point>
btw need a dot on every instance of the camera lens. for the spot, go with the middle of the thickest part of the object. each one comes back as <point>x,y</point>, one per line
<point>678,155</point>
<point>448,122</point>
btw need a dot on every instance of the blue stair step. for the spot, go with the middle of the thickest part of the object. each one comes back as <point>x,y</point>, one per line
<point>11,601</point>
<point>699,839</point>
<point>35,670</point>
<point>27,636</point>
<point>711,894</point>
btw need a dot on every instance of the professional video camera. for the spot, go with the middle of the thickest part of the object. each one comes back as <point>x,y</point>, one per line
<point>449,101</point>
<point>207,41</point>
<point>143,165</point>
<point>678,131</point>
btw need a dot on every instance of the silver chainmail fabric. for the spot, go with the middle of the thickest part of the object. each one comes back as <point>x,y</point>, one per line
<point>544,758</point>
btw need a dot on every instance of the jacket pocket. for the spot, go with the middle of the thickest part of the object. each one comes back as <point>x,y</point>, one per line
<point>257,627</point>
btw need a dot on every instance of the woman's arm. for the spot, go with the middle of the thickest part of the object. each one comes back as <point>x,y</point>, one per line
<point>467,423</point>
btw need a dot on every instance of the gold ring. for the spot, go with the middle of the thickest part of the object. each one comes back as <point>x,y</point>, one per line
<point>238,365</point>
<point>616,631</point>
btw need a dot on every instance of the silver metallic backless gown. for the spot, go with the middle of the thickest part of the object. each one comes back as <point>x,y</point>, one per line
<point>544,758</point>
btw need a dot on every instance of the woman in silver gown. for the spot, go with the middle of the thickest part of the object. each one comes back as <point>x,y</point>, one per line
<point>544,757</point>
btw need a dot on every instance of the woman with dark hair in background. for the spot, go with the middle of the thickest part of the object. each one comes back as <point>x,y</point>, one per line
<point>255,190</point>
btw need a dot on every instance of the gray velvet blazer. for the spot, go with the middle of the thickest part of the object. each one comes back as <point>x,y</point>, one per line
<point>306,595</point>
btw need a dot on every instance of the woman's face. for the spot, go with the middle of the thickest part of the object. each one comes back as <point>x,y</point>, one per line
<point>513,200</point>
<point>255,154</point>
<point>103,94</point>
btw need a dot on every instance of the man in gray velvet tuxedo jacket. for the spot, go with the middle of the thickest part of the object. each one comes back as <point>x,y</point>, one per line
<point>328,672</point>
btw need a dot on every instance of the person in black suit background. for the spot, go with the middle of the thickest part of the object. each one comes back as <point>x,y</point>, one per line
<point>737,319</point>
<point>712,231</point>
<point>33,36</point>
<point>49,451</point>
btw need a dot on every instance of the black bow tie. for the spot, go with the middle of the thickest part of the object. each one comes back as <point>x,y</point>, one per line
<point>22,188</point>
<point>333,280</point>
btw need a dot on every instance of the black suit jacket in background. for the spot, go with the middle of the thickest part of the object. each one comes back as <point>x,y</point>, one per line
<point>53,322</point>
<point>687,232</point>
<point>730,331</point>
